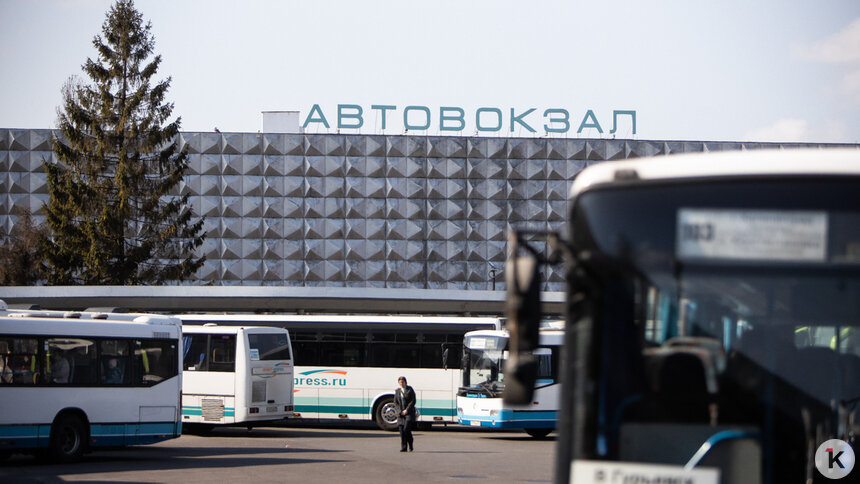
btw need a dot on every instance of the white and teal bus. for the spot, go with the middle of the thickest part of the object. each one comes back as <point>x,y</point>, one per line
<point>479,400</point>
<point>713,330</point>
<point>235,375</point>
<point>346,367</point>
<point>70,383</point>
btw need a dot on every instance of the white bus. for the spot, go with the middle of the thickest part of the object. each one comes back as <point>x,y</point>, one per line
<point>713,329</point>
<point>235,375</point>
<point>347,366</point>
<point>69,383</point>
<point>479,400</point>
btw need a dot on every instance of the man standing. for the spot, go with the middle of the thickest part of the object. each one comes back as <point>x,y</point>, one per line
<point>404,401</point>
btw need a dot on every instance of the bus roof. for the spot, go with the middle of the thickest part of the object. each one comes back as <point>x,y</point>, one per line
<point>765,162</point>
<point>334,318</point>
<point>51,325</point>
<point>217,329</point>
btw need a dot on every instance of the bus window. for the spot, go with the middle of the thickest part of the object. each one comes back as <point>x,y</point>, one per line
<point>222,352</point>
<point>405,355</point>
<point>270,346</point>
<point>22,365</point>
<point>5,370</point>
<point>342,354</point>
<point>843,339</point>
<point>431,351</point>
<point>545,364</point>
<point>71,361</point>
<point>439,350</point>
<point>195,352</point>
<point>155,361</point>
<point>306,353</point>
<point>114,361</point>
<point>380,356</point>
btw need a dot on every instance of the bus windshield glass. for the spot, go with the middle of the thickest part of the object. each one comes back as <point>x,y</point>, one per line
<point>269,346</point>
<point>483,363</point>
<point>728,305</point>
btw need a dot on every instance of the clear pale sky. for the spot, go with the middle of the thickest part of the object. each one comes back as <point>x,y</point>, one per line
<point>733,70</point>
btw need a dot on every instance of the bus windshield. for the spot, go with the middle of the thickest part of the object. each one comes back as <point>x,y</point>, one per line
<point>269,346</point>
<point>723,306</point>
<point>483,363</point>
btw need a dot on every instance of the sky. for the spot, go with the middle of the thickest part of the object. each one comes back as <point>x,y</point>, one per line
<point>733,70</point>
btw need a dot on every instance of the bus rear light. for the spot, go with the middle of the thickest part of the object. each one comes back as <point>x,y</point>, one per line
<point>297,415</point>
<point>288,408</point>
<point>254,410</point>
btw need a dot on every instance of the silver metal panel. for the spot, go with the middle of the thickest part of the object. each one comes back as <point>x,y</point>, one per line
<point>363,211</point>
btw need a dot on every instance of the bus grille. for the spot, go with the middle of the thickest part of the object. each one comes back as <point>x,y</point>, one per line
<point>258,391</point>
<point>213,409</point>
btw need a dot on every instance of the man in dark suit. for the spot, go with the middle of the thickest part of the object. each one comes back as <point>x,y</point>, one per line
<point>404,401</point>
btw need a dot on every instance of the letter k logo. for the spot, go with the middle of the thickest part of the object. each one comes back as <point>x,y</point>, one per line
<point>834,459</point>
<point>831,459</point>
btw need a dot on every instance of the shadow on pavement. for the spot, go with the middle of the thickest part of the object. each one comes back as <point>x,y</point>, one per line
<point>151,458</point>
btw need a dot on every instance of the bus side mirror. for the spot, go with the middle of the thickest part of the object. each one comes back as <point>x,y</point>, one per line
<point>522,274</point>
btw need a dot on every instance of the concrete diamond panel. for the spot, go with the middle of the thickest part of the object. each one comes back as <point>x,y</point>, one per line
<point>412,274</point>
<point>328,208</point>
<point>365,229</point>
<point>405,208</point>
<point>364,270</point>
<point>324,271</point>
<point>406,167</point>
<point>324,228</point>
<point>365,207</point>
<point>405,250</point>
<point>367,250</point>
<point>405,188</point>
<point>360,210</point>
<point>405,229</point>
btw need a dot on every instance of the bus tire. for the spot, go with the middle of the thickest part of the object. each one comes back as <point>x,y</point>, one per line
<point>385,414</point>
<point>538,433</point>
<point>68,439</point>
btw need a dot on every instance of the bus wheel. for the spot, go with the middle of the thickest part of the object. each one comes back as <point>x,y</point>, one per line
<point>68,439</point>
<point>538,433</point>
<point>386,414</point>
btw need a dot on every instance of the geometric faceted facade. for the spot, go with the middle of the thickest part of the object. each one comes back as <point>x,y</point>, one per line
<point>424,212</point>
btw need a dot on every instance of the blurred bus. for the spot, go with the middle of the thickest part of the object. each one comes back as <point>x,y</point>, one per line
<point>236,375</point>
<point>346,367</point>
<point>479,400</point>
<point>713,313</point>
<point>72,382</point>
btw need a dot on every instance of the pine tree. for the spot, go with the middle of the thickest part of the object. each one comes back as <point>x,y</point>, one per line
<point>113,212</point>
<point>20,260</point>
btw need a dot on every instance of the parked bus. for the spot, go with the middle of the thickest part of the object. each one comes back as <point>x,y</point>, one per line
<point>347,366</point>
<point>714,304</point>
<point>479,400</point>
<point>235,375</point>
<point>69,384</point>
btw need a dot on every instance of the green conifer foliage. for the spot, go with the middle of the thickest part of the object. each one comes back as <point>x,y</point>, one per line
<point>114,212</point>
